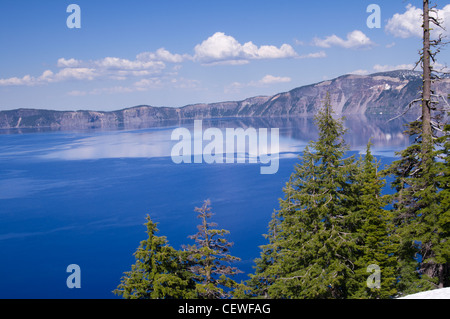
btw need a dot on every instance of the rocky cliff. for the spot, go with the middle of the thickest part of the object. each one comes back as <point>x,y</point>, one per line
<point>386,93</point>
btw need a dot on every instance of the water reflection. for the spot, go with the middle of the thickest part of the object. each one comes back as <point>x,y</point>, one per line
<point>155,141</point>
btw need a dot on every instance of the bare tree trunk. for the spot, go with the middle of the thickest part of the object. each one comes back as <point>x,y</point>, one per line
<point>426,95</point>
<point>431,269</point>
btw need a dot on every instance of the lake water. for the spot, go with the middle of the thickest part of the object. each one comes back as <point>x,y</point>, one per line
<point>82,198</point>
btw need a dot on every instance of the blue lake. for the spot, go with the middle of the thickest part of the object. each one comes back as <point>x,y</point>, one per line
<point>81,197</point>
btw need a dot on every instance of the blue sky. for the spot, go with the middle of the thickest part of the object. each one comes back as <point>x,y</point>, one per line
<point>174,53</point>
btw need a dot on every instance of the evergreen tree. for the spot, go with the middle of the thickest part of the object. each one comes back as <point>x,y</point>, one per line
<point>373,233</point>
<point>209,258</point>
<point>443,178</point>
<point>419,207</point>
<point>309,249</point>
<point>420,214</point>
<point>160,272</point>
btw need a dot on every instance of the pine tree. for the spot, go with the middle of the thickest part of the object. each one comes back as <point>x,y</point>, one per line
<point>309,248</point>
<point>209,258</point>
<point>373,231</point>
<point>160,272</point>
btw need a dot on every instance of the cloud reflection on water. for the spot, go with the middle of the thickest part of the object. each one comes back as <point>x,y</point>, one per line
<point>387,138</point>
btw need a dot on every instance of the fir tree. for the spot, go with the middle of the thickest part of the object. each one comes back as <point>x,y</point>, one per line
<point>160,272</point>
<point>443,178</point>
<point>309,249</point>
<point>209,258</point>
<point>373,233</point>
<point>420,214</point>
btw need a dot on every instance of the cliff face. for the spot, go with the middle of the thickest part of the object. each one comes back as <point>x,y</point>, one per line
<point>387,93</point>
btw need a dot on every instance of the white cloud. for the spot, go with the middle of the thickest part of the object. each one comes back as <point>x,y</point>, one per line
<point>164,56</point>
<point>107,90</point>
<point>217,49</point>
<point>409,23</point>
<point>71,63</point>
<point>224,49</point>
<point>71,74</point>
<point>265,81</point>
<point>109,67</point>
<point>26,80</point>
<point>146,84</point>
<point>50,77</point>
<point>386,68</point>
<point>355,40</point>
<point>112,63</point>
<point>315,55</point>
<point>270,79</point>
<point>360,72</point>
<point>383,68</point>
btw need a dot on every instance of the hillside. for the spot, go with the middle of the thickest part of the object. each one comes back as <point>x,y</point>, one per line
<point>387,93</point>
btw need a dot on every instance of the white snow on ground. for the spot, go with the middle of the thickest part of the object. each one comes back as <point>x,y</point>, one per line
<point>443,293</point>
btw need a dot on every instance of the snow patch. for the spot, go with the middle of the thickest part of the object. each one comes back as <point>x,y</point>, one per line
<point>443,293</point>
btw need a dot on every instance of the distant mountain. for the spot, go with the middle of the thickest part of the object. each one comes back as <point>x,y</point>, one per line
<point>387,93</point>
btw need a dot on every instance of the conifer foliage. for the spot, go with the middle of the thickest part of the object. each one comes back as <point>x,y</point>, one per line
<point>201,270</point>
<point>210,259</point>
<point>159,272</point>
<point>375,242</point>
<point>308,250</point>
<point>331,226</point>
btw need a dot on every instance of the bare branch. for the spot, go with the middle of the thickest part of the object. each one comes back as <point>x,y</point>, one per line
<point>407,109</point>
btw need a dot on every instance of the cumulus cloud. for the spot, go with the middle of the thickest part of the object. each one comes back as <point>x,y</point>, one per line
<point>72,69</point>
<point>409,23</point>
<point>164,56</point>
<point>217,49</point>
<point>355,40</point>
<point>49,77</point>
<point>113,63</point>
<point>224,49</point>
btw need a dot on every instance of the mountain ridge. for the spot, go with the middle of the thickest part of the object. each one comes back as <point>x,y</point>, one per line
<point>382,92</point>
